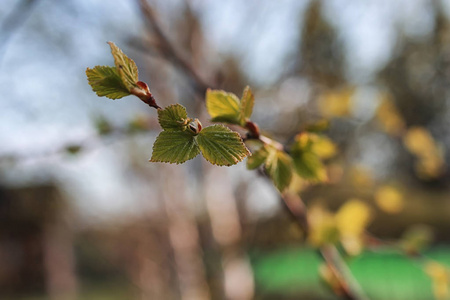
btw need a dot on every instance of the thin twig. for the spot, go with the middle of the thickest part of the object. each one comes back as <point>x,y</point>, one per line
<point>168,50</point>
<point>350,287</point>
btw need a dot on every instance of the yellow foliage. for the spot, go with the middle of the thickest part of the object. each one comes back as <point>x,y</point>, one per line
<point>389,199</point>
<point>440,276</point>
<point>346,226</point>
<point>336,103</point>
<point>323,228</point>
<point>307,162</point>
<point>419,141</point>
<point>297,184</point>
<point>351,220</point>
<point>353,217</point>
<point>388,116</point>
<point>430,162</point>
<point>323,147</point>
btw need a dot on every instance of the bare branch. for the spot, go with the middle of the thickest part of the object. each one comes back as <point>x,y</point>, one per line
<point>169,51</point>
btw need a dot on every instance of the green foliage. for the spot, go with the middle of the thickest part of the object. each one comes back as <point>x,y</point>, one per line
<point>226,107</point>
<point>125,66</point>
<point>223,106</point>
<point>304,157</point>
<point>105,81</point>
<point>279,167</point>
<point>257,158</point>
<point>172,117</point>
<point>114,82</point>
<point>307,162</point>
<point>174,147</point>
<point>183,139</point>
<point>247,102</point>
<point>221,146</point>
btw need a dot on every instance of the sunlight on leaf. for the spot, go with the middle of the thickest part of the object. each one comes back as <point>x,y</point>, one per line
<point>125,66</point>
<point>223,106</point>
<point>247,102</point>
<point>226,107</point>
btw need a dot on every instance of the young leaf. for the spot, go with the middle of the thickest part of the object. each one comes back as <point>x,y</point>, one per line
<point>309,166</point>
<point>221,146</point>
<point>279,168</point>
<point>105,81</point>
<point>172,117</point>
<point>174,147</point>
<point>247,102</point>
<point>257,158</point>
<point>125,66</point>
<point>306,162</point>
<point>223,107</point>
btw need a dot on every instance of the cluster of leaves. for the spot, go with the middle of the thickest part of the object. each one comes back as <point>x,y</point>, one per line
<point>304,156</point>
<point>183,138</point>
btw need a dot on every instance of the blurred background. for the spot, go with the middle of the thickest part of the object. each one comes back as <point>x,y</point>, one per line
<point>84,215</point>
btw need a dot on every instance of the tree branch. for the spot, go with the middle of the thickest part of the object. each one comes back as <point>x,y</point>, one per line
<point>168,50</point>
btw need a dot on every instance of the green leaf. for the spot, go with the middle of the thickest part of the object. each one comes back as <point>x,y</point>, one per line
<point>172,117</point>
<point>174,147</point>
<point>309,166</point>
<point>247,102</point>
<point>279,168</point>
<point>307,163</point>
<point>257,158</point>
<point>221,146</point>
<point>105,81</point>
<point>223,106</point>
<point>125,66</point>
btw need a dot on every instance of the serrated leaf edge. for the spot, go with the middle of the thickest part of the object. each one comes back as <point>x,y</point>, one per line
<point>169,106</point>
<point>247,152</point>
<point>177,163</point>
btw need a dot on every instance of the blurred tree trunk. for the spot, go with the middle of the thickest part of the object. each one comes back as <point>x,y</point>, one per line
<point>227,232</point>
<point>183,234</point>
